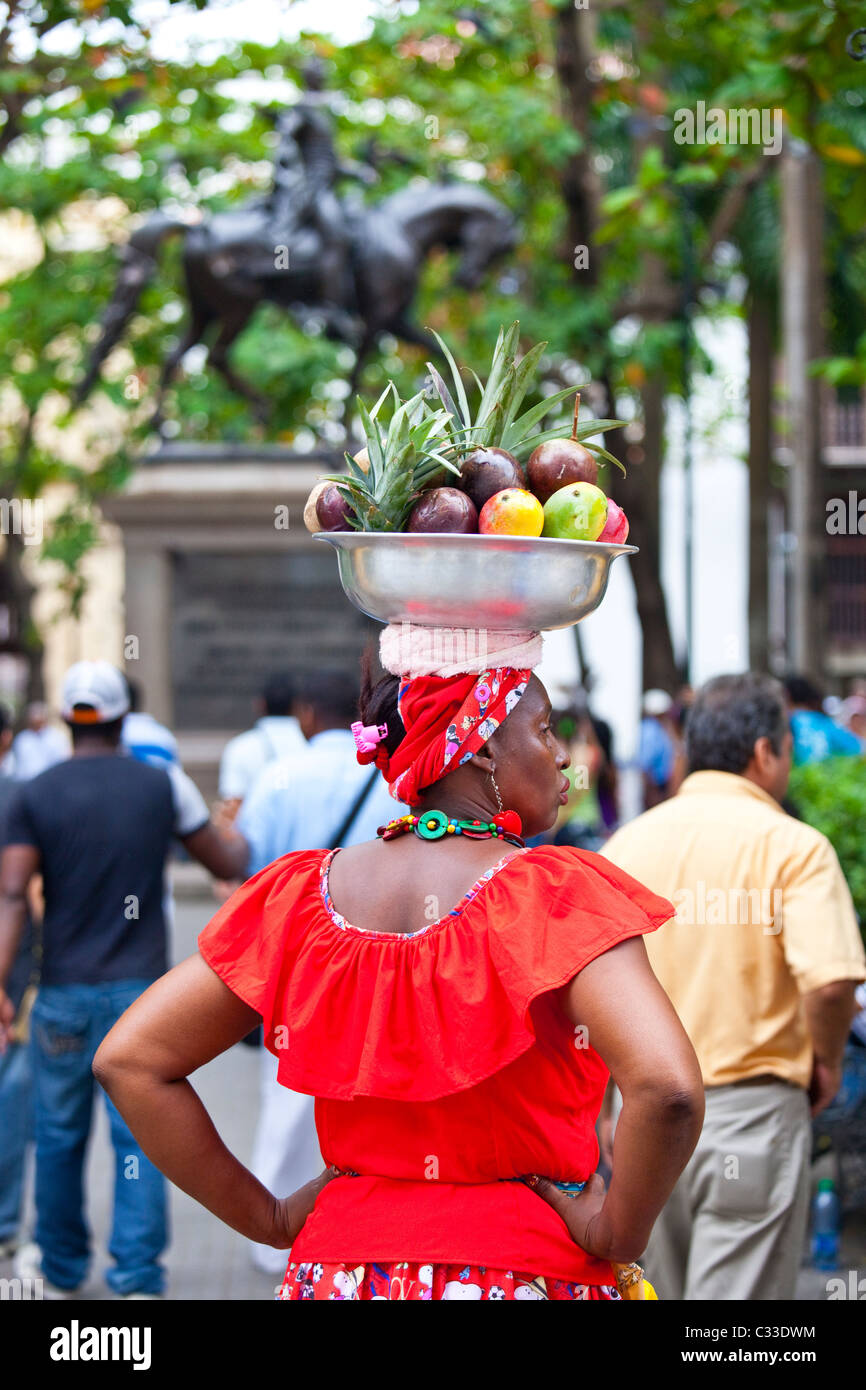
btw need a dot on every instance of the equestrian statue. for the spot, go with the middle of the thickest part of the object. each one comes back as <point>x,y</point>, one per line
<point>352,267</point>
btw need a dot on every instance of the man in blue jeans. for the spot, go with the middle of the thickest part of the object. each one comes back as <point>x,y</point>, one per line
<point>98,827</point>
<point>16,1101</point>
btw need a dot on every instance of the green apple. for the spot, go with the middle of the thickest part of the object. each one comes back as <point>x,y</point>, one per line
<point>576,512</point>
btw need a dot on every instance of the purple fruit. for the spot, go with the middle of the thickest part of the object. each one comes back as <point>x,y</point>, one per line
<point>444,509</point>
<point>333,510</point>
<point>486,471</point>
<point>558,462</point>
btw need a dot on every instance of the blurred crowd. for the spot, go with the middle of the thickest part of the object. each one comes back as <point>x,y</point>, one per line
<point>89,816</point>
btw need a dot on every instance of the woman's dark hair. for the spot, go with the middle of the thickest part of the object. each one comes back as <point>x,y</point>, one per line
<point>728,717</point>
<point>377,702</point>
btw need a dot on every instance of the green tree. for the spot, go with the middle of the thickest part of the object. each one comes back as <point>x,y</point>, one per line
<point>566,114</point>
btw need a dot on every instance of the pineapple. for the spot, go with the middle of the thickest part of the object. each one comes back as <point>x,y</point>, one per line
<point>403,460</point>
<point>496,424</point>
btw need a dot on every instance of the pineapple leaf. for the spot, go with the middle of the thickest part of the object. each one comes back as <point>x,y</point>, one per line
<point>373,434</point>
<point>591,427</point>
<point>457,378</point>
<point>375,411</point>
<point>444,394</point>
<point>523,374</point>
<point>355,470</point>
<point>478,382</point>
<point>500,367</point>
<point>519,429</point>
<point>603,453</point>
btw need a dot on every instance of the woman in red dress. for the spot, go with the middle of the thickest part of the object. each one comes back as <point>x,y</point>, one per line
<point>455,1005</point>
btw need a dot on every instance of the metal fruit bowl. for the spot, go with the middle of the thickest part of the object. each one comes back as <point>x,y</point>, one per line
<point>497,582</point>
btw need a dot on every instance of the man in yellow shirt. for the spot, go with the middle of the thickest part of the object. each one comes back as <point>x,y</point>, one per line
<point>760,963</point>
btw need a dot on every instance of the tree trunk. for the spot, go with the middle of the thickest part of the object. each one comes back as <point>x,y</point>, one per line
<point>16,591</point>
<point>638,493</point>
<point>802,292</point>
<point>574,37</point>
<point>17,595</point>
<point>760,332</point>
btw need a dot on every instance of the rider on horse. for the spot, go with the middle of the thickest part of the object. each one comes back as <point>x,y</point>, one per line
<point>306,170</point>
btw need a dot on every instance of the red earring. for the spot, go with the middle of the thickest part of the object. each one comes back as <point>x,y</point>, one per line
<point>506,820</point>
<point>509,821</point>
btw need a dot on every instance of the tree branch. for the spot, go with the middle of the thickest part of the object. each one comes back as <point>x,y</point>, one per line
<point>732,205</point>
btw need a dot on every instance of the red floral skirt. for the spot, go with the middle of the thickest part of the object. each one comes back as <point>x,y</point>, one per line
<point>400,1281</point>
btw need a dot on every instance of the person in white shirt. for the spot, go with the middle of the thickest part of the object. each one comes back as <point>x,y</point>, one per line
<point>143,736</point>
<point>38,746</point>
<point>276,734</point>
<point>318,797</point>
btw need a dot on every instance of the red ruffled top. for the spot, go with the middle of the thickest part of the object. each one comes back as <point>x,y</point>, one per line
<point>440,1061</point>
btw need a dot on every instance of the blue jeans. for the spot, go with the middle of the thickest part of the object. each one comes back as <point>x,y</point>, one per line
<point>16,1130</point>
<point>67,1025</point>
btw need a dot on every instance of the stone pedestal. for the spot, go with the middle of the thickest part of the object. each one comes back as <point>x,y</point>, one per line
<point>224,585</point>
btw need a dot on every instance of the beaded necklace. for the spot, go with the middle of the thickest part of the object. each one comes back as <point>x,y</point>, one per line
<point>435,825</point>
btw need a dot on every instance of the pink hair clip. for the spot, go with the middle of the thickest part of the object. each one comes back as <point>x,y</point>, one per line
<point>368,735</point>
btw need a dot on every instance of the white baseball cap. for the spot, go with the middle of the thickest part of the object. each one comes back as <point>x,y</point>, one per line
<point>97,685</point>
<point>656,702</point>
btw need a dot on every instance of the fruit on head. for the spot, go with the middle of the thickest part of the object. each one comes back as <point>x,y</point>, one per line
<point>577,512</point>
<point>444,509</point>
<point>557,462</point>
<point>511,512</point>
<point>616,526</point>
<point>403,461</point>
<point>332,509</point>
<point>485,471</point>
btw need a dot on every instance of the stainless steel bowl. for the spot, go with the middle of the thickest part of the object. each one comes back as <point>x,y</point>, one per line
<point>496,582</point>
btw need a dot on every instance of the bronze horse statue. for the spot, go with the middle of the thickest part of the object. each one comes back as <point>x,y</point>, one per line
<point>235,260</point>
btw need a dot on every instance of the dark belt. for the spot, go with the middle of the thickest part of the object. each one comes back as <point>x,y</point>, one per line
<point>756,1081</point>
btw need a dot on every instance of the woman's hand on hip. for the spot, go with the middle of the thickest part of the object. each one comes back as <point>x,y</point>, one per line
<point>291,1212</point>
<point>583,1214</point>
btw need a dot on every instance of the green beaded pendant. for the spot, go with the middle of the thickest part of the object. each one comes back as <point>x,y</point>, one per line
<point>432,825</point>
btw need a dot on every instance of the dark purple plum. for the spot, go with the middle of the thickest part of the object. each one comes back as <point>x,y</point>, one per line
<point>444,509</point>
<point>333,510</point>
<point>486,471</point>
<point>558,462</point>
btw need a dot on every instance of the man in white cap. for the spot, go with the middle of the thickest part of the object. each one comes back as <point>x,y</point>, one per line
<point>98,827</point>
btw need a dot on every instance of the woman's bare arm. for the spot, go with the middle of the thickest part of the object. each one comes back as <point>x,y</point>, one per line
<point>183,1021</point>
<point>632,1024</point>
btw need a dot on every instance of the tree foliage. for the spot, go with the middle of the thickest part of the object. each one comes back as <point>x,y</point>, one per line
<point>831,795</point>
<point>94,134</point>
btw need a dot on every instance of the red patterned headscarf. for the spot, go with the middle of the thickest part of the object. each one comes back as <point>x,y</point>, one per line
<point>447,719</point>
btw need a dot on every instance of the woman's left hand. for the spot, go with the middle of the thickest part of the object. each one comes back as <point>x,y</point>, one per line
<point>291,1212</point>
<point>583,1214</point>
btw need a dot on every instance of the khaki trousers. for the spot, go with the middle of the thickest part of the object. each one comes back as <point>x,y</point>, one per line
<point>734,1225</point>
